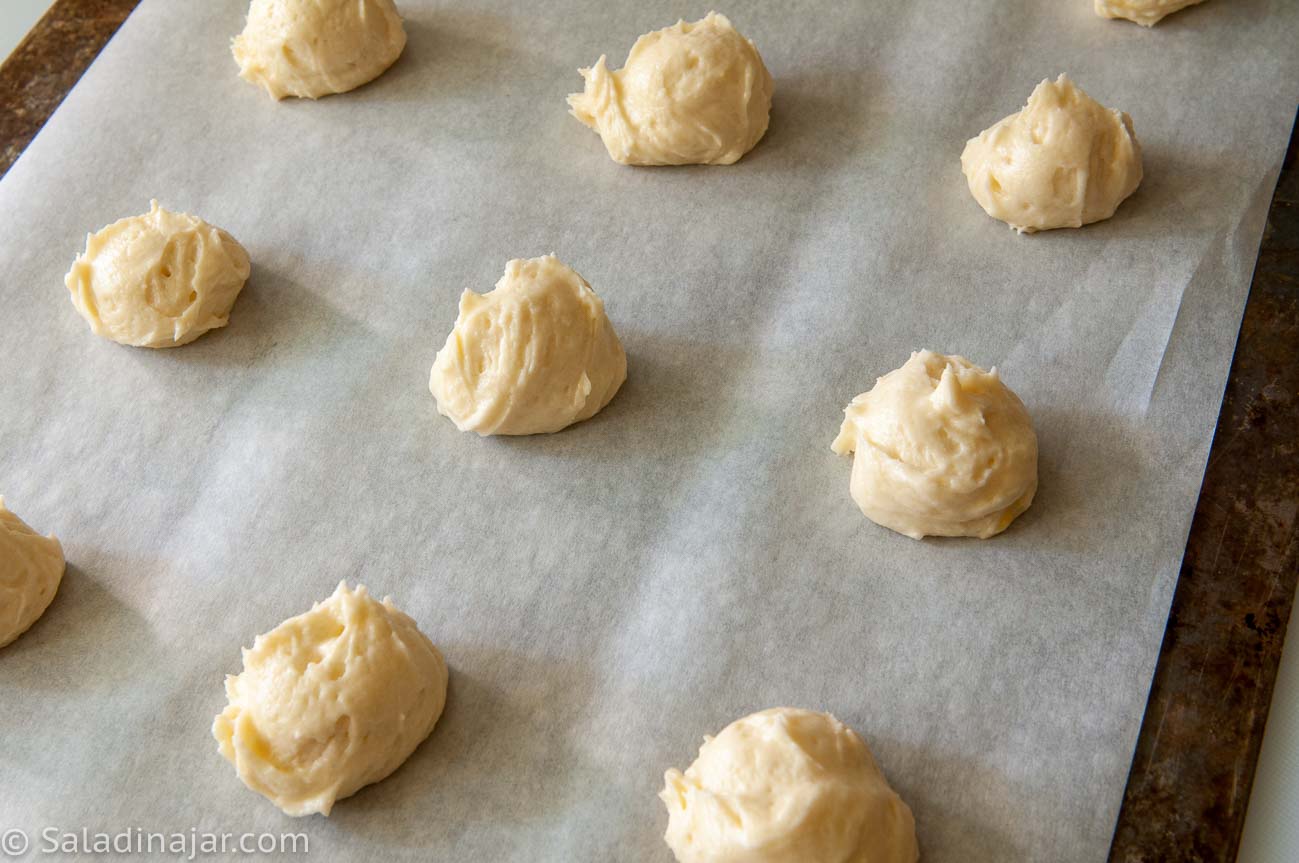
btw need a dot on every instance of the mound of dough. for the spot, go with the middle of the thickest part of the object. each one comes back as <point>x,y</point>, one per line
<point>690,94</point>
<point>1062,162</point>
<point>533,356</point>
<point>31,567</point>
<point>1147,13</point>
<point>158,280</point>
<point>786,786</point>
<point>943,448</point>
<point>331,701</point>
<point>314,48</point>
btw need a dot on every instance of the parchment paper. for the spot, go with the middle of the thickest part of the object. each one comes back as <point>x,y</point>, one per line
<point>608,595</point>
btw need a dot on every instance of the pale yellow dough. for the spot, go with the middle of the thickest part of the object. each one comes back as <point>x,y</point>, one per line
<point>786,786</point>
<point>158,280</point>
<point>534,355</point>
<point>1063,161</point>
<point>331,701</point>
<point>1147,13</point>
<point>31,567</point>
<point>313,48</point>
<point>689,94</point>
<point>942,448</point>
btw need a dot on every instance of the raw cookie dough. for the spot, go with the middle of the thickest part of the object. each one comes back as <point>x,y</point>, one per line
<point>313,48</point>
<point>943,448</point>
<point>158,280</point>
<point>534,355</point>
<point>1147,13</point>
<point>331,701</point>
<point>1062,162</point>
<point>689,94</point>
<point>31,567</point>
<point>786,786</point>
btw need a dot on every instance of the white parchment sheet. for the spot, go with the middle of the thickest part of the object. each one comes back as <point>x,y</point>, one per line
<point>608,595</point>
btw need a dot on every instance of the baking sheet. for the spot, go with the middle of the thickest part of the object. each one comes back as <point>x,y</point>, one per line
<point>608,595</point>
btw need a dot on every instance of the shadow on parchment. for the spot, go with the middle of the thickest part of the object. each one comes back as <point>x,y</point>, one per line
<point>1087,464</point>
<point>955,800</point>
<point>499,753</point>
<point>1203,16</point>
<point>80,623</point>
<point>1178,198</point>
<point>675,406</point>
<point>272,319</point>
<point>819,120</point>
<point>448,53</point>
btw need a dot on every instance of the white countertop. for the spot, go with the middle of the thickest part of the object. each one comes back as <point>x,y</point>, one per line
<point>16,19</point>
<point>1271,828</point>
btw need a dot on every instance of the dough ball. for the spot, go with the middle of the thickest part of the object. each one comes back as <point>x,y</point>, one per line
<point>786,786</point>
<point>1062,162</point>
<point>534,355</point>
<point>158,280</point>
<point>31,567</point>
<point>943,448</point>
<point>1147,13</point>
<point>331,701</point>
<point>689,94</point>
<point>312,48</point>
